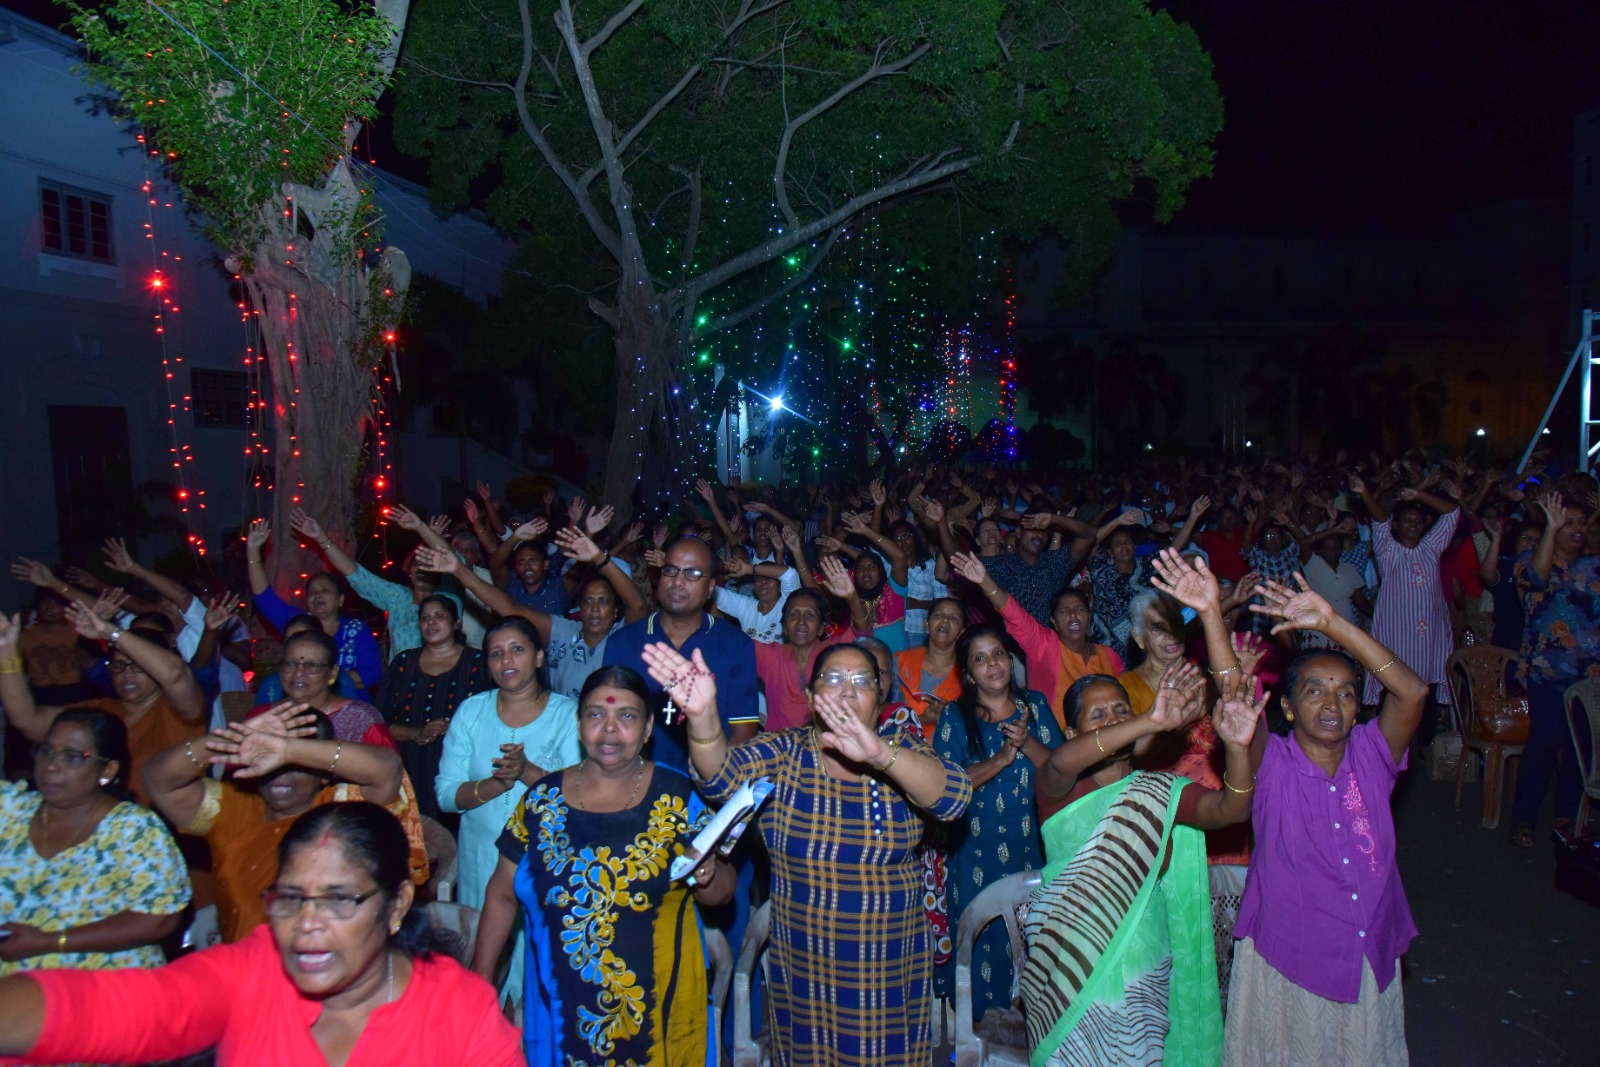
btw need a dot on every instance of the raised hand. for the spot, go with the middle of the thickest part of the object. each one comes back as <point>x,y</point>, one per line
<point>654,557</point>
<point>1551,503</point>
<point>109,603</point>
<point>1237,712</point>
<point>1356,484</point>
<point>84,579</point>
<point>599,519</point>
<point>31,570</point>
<point>844,732</point>
<point>471,508</point>
<point>87,623</point>
<point>529,530</point>
<point>932,510</point>
<point>970,567</point>
<point>256,539</point>
<point>1036,521</point>
<point>1242,590</point>
<point>991,505</point>
<point>576,509</point>
<point>1190,581</point>
<point>836,577</point>
<point>828,544</point>
<point>688,682</point>
<point>1179,697</point>
<point>286,718</point>
<point>879,496</point>
<point>306,526</point>
<point>1201,505</point>
<point>1494,527</point>
<point>1302,610</point>
<point>575,544</point>
<point>483,491</point>
<point>218,611</point>
<point>439,524</point>
<point>703,487</point>
<point>118,558</point>
<point>634,532</point>
<point>738,567</point>
<point>853,522</point>
<point>1250,650</point>
<point>659,537</point>
<point>791,540</point>
<point>431,559</point>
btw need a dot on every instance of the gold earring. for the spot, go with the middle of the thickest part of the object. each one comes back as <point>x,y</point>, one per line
<point>1289,715</point>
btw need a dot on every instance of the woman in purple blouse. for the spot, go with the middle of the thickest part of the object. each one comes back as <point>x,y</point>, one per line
<point>1324,919</point>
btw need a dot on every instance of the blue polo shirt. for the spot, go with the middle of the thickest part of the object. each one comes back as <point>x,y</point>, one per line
<point>727,651</point>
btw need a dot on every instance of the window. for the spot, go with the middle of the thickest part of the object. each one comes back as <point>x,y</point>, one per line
<point>219,397</point>
<point>76,222</point>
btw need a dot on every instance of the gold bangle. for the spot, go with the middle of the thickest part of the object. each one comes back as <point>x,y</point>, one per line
<point>61,942</point>
<point>894,754</point>
<point>338,750</point>
<point>476,783</point>
<point>188,750</point>
<point>1223,673</point>
<point>1386,666</point>
<point>1233,789</point>
<point>693,740</point>
<point>11,666</point>
<point>1098,745</point>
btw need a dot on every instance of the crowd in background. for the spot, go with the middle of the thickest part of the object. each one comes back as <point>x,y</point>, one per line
<point>1169,702</point>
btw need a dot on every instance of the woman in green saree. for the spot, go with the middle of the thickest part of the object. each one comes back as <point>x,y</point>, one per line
<point>1121,967</point>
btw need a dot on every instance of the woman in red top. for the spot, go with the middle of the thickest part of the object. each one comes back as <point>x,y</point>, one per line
<point>351,980</point>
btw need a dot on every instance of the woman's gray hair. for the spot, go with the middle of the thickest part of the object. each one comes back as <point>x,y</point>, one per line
<point>874,644</point>
<point>1139,612</point>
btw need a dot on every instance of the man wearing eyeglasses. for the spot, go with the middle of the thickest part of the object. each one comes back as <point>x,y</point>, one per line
<point>685,584</point>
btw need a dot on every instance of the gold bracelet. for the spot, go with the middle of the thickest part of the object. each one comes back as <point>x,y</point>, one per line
<point>61,942</point>
<point>11,666</point>
<point>1224,673</point>
<point>338,750</point>
<point>1232,789</point>
<point>894,754</point>
<point>1098,745</point>
<point>476,783</point>
<point>1386,666</point>
<point>188,750</point>
<point>693,740</point>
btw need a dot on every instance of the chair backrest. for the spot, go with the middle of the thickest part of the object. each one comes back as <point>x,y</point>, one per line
<point>236,705</point>
<point>441,846</point>
<point>720,956</point>
<point>1000,900</point>
<point>1585,727</point>
<point>1477,673</point>
<point>460,923</point>
<point>746,1053</point>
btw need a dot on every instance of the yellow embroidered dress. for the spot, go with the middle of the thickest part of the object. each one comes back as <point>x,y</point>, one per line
<point>616,972</point>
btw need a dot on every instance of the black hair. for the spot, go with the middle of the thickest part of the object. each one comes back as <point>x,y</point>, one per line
<point>1072,701</point>
<point>373,840</point>
<point>1071,591</point>
<point>152,620</point>
<point>318,638</point>
<point>109,735</point>
<point>526,629</point>
<point>451,608</point>
<point>967,702</point>
<point>305,620</point>
<point>618,677</point>
<point>1297,667</point>
<point>338,586</point>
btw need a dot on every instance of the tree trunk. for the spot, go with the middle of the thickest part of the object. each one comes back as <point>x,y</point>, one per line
<point>323,307</point>
<point>650,419</point>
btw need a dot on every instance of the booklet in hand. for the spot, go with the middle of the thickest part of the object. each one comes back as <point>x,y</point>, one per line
<point>722,832</point>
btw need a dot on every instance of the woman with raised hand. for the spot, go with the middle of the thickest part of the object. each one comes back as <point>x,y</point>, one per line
<point>156,694</point>
<point>1324,920</point>
<point>589,853</point>
<point>851,950</point>
<point>283,763</point>
<point>345,972</point>
<point>324,597</point>
<point>1120,966</point>
<point>89,879</point>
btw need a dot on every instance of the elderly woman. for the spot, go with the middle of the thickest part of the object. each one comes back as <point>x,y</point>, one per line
<point>341,945</point>
<point>1120,965</point>
<point>851,953</point>
<point>357,647</point>
<point>618,972</point>
<point>157,697</point>
<point>269,686</point>
<point>1324,920</point>
<point>1057,655</point>
<point>785,667</point>
<point>1156,626</point>
<point>422,689</point>
<point>284,762</point>
<point>90,880</point>
<point>1004,737</point>
<point>309,671</point>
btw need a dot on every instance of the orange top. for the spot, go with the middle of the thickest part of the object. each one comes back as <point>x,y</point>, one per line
<point>158,729</point>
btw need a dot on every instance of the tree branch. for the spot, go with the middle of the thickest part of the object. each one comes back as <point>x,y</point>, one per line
<point>755,307</point>
<point>867,77</point>
<point>692,231</point>
<point>611,26</point>
<point>656,108</point>
<point>621,195</point>
<point>591,214</point>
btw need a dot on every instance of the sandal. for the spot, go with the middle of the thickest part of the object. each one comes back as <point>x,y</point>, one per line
<point>1522,835</point>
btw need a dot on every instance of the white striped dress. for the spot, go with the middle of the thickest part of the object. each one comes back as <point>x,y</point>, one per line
<point>1411,618</point>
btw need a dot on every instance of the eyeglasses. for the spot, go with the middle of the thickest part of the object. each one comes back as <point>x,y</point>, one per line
<point>299,666</point>
<point>286,904</point>
<point>70,758</point>
<point>837,679</point>
<point>124,666</point>
<point>690,574</point>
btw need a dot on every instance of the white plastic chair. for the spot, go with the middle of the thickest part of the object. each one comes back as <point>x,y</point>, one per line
<point>460,922</point>
<point>998,901</point>
<point>1585,695</point>
<point>746,1051</point>
<point>720,957</point>
<point>203,931</point>
<point>442,849</point>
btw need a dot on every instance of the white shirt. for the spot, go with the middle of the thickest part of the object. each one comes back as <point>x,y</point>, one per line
<point>1336,585</point>
<point>921,585</point>
<point>765,627</point>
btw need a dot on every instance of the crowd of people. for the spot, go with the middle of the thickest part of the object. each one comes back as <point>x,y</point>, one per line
<point>1178,697</point>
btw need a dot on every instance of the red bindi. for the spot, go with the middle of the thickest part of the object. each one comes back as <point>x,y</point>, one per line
<point>611,700</point>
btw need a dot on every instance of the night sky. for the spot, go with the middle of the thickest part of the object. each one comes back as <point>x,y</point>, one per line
<point>1374,115</point>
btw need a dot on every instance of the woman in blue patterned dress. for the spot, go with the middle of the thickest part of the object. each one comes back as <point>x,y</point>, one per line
<point>616,971</point>
<point>851,953</point>
<point>1004,737</point>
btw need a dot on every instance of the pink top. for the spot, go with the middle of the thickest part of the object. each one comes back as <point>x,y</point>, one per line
<point>238,998</point>
<point>1323,891</point>
<point>780,677</point>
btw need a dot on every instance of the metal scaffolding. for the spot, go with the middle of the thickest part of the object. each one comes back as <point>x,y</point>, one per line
<point>1583,359</point>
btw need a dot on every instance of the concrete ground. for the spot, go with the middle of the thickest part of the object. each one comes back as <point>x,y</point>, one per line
<point>1505,969</point>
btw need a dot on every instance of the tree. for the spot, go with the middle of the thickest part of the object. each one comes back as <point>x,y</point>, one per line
<point>253,107</point>
<point>686,164</point>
